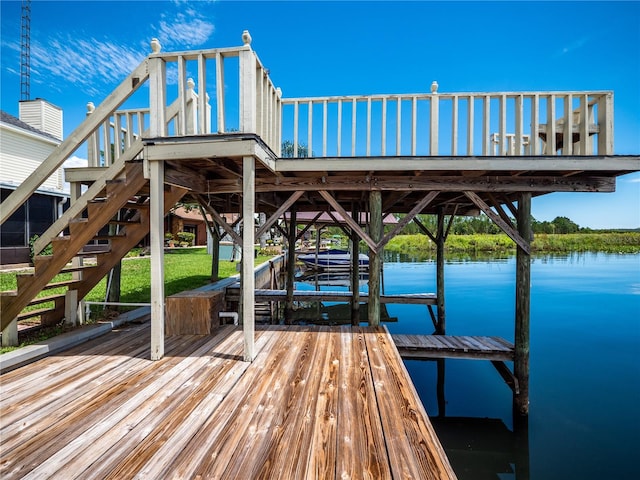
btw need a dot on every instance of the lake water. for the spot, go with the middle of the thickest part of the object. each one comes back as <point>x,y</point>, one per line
<point>584,420</point>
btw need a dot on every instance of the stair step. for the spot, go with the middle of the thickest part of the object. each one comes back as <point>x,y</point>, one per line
<point>45,299</point>
<point>78,268</point>
<point>64,283</point>
<point>124,222</point>
<point>109,237</point>
<point>9,293</point>
<point>34,313</point>
<point>92,253</point>
<point>77,225</point>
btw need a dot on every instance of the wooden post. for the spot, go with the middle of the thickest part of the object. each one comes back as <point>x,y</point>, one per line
<point>291,263</point>
<point>157,128</point>
<point>523,299</point>
<point>247,278</point>
<point>354,241</point>
<point>71,307</point>
<point>10,334</point>
<point>215,254</point>
<point>440,239</point>
<point>375,258</point>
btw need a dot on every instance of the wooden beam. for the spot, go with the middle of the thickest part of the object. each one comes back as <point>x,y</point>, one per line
<point>278,213</point>
<point>349,221</point>
<point>507,375</point>
<point>508,229</point>
<point>219,220</point>
<point>421,205</point>
<point>505,183</point>
<point>424,229</point>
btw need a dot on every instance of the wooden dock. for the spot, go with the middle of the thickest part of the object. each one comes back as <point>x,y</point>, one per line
<point>453,346</point>
<point>265,295</point>
<point>317,402</point>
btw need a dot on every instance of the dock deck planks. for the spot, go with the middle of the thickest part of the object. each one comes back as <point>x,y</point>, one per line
<point>452,346</point>
<point>317,402</point>
<point>265,295</point>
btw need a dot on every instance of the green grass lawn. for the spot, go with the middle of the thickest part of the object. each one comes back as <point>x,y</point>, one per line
<point>184,269</point>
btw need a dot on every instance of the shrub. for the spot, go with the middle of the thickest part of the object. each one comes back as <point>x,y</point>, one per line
<point>48,250</point>
<point>186,238</point>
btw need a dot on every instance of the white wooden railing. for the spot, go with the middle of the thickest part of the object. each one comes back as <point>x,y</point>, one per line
<point>434,124</point>
<point>422,124</point>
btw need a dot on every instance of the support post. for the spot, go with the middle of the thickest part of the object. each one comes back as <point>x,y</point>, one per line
<point>71,307</point>
<point>440,239</point>
<point>354,242</point>
<point>291,263</point>
<point>375,258</point>
<point>157,128</point>
<point>523,301</point>
<point>10,334</point>
<point>247,278</point>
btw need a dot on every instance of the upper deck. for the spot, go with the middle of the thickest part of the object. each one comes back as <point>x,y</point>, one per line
<point>492,143</point>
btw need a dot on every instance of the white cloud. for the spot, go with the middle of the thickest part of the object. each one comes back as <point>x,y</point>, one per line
<point>187,30</point>
<point>73,162</point>
<point>571,47</point>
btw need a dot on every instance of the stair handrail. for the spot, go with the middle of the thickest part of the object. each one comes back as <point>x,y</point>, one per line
<point>110,173</point>
<point>128,86</point>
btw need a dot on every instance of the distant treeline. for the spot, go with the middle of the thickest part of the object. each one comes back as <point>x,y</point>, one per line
<point>612,242</point>
<point>483,224</point>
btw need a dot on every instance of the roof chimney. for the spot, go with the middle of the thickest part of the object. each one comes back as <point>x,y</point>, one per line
<point>42,115</point>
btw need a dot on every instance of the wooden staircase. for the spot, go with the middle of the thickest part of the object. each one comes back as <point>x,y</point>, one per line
<point>126,194</point>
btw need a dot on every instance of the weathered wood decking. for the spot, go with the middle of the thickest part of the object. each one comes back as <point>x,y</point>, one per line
<point>264,295</point>
<point>317,402</point>
<point>453,346</point>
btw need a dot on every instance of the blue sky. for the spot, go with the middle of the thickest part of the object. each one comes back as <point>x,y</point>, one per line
<point>82,49</point>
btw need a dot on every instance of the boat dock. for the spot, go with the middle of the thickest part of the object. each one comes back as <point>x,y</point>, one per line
<point>266,295</point>
<point>316,402</point>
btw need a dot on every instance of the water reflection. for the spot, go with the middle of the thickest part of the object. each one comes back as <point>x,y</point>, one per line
<point>481,448</point>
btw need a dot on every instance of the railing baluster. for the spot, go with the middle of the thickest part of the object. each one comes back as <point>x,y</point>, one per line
<point>220,92</point>
<point>383,134</point>
<point>368,127</point>
<point>454,125</point>
<point>470,124</point>
<point>354,106</point>
<point>202,93</point>
<point>567,143</point>
<point>585,144</point>
<point>502,126</point>
<point>106,142</point>
<point>551,125</point>
<point>324,128</point>
<point>117,127</point>
<point>296,127</point>
<point>519,124</point>
<point>534,141</point>
<point>182,95</point>
<point>605,124</point>
<point>486,125</point>
<point>399,127</point>
<point>310,128</point>
<point>435,113</point>
<point>339,149</point>
<point>414,124</point>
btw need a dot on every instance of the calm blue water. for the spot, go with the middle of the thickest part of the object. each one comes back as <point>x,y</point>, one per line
<point>584,420</point>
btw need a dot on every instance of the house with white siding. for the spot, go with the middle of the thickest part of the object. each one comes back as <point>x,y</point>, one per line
<point>25,142</point>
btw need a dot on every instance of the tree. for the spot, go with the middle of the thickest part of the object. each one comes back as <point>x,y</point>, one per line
<point>287,150</point>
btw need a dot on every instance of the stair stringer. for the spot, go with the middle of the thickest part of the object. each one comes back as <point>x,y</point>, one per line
<point>65,248</point>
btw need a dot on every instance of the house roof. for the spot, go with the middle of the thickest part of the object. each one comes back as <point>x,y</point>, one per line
<point>193,214</point>
<point>16,122</point>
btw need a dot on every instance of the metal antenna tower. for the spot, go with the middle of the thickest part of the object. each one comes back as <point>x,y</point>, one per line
<point>25,51</point>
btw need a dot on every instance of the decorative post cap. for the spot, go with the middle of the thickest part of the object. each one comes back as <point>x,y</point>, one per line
<point>434,87</point>
<point>279,92</point>
<point>191,84</point>
<point>155,45</point>
<point>90,107</point>
<point>246,37</point>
